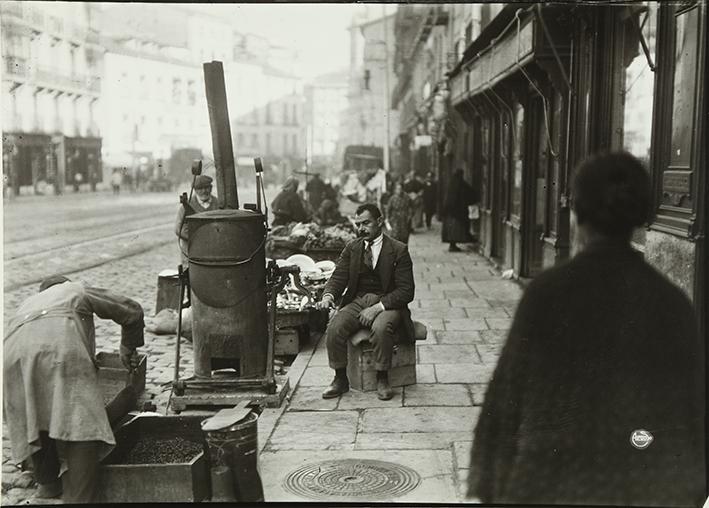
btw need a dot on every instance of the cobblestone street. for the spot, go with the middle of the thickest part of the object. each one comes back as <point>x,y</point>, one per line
<point>467,308</point>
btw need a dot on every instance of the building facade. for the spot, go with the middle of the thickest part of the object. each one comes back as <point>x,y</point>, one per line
<point>535,89</point>
<point>153,105</point>
<point>267,107</point>
<point>51,85</point>
<point>369,119</point>
<point>325,102</point>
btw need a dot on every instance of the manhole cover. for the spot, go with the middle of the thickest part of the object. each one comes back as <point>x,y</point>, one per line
<point>352,478</point>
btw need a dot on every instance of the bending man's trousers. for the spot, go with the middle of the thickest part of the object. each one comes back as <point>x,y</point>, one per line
<point>346,322</point>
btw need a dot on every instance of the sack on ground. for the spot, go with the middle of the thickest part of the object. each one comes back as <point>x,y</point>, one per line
<point>165,323</point>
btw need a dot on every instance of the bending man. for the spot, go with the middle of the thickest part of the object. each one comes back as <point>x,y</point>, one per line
<point>53,403</point>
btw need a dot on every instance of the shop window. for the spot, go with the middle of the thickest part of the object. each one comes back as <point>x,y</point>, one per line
<point>676,179</point>
<point>637,80</point>
<point>636,85</point>
<point>504,169</point>
<point>191,93</point>
<point>517,160</point>
<point>176,91</point>
<point>685,81</point>
<point>485,161</point>
<point>553,185</point>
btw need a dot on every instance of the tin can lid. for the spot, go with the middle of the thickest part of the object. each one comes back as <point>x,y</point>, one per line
<point>226,417</point>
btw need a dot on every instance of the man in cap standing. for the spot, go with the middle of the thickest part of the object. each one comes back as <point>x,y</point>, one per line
<point>52,400</point>
<point>201,201</point>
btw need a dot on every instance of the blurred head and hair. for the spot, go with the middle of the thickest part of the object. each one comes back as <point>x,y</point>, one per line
<point>52,281</point>
<point>291,184</point>
<point>611,194</point>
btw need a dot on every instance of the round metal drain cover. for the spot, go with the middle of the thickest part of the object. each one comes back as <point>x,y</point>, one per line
<point>352,478</point>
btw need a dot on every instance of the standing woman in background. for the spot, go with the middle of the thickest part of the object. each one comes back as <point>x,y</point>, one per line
<point>399,211</point>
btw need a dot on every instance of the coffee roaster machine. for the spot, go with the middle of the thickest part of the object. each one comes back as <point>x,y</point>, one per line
<point>231,289</point>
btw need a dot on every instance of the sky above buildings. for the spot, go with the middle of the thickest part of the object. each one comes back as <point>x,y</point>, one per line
<point>317,31</point>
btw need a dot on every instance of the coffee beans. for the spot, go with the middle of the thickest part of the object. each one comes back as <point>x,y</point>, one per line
<point>162,450</point>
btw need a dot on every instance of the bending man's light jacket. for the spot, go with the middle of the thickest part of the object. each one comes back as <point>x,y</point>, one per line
<point>50,379</point>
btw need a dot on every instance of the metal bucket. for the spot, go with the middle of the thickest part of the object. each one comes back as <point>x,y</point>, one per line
<point>236,447</point>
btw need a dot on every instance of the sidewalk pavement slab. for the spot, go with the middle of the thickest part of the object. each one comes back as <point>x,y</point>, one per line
<point>444,312</point>
<point>315,430</point>
<point>494,337</point>
<point>499,323</point>
<point>477,391</point>
<point>459,337</point>
<point>471,301</point>
<point>437,395</point>
<point>486,313</point>
<point>419,419</point>
<point>309,398</point>
<point>465,324</point>
<point>463,373</point>
<point>319,375</point>
<point>425,373</point>
<point>354,399</point>
<point>432,303</point>
<point>409,440</point>
<point>448,353</point>
<point>461,454</point>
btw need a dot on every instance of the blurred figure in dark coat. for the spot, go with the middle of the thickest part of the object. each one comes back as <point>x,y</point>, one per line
<point>316,191</point>
<point>598,396</point>
<point>456,224</point>
<point>288,207</point>
<point>430,195</point>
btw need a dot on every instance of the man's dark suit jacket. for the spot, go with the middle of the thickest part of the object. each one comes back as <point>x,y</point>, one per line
<point>396,275</point>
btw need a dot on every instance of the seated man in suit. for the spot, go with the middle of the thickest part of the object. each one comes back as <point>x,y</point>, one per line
<point>377,273</point>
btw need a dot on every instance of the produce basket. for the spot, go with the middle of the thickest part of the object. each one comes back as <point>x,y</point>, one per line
<point>322,254</point>
<point>281,247</point>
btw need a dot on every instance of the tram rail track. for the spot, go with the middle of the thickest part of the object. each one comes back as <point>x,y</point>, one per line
<point>33,267</point>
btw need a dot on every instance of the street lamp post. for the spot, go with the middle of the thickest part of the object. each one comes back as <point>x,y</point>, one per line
<point>386,88</point>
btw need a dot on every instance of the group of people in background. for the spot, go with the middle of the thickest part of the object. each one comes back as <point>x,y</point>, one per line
<point>413,201</point>
<point>321,204</point>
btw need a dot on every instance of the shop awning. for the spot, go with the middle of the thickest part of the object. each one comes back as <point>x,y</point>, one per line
<point>520,42</point>
<point>498,61</point>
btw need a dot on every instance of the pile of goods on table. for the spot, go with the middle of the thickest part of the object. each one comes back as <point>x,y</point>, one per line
<point>309,238</point>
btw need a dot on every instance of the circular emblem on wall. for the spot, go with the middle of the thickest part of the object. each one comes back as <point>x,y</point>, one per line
<point>641,439</point>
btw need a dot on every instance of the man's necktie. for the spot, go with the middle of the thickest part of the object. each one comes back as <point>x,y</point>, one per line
<point>368,260</point>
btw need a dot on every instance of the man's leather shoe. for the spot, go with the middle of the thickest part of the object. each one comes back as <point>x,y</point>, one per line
<point>384,391</point>
<point>338,386</point>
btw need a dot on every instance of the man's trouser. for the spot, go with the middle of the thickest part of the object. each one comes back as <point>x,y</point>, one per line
<point>80,481</point>
<point>346,322</point>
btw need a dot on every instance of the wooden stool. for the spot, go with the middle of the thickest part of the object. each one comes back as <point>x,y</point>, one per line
<point>360,361</point>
